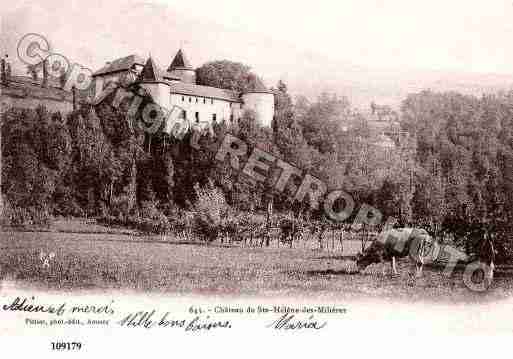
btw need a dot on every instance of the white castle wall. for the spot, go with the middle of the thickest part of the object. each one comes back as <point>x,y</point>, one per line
<point>263,105</point>
<point>205,107</point>
<point>159,92</point>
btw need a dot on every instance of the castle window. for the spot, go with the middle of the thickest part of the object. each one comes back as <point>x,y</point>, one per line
<point>214,117</point>
<point>196,100</point>
<point>212,101</point>
<point>190,99</point>
<point>231,117</point>
<point>183,98</point>
<point>196,115</point>
<point>230,104</point>
<point>204,100</point>
<point>184,114</point>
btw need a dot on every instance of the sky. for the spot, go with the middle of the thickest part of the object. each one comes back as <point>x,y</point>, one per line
<point>364,48</point>
<point>458,35</point>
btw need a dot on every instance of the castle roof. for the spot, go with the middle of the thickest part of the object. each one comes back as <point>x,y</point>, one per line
<point>180,62</point>
<point>257,84</point>
<point>151,72</point>
<point>204,91</point>
<point>121,64</point>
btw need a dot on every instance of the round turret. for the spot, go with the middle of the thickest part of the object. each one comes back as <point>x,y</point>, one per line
<point>185,75</point>
<point>262,103</point>
<point>152,81</point>
<point>159,92</point>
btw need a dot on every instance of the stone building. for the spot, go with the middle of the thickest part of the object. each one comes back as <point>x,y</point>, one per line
<point>177,86</point>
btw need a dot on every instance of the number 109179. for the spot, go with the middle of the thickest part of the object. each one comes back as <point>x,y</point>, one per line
<point>66,345</point>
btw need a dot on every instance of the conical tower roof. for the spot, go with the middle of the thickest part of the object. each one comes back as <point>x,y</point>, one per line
<point>150,71</point>
<point>180,62</point>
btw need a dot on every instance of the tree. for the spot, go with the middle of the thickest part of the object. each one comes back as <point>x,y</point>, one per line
<point>62,77</point>
<point>228,75</point>
<point>462,142</point>
<point>36,156</point>
<point>323,123</point>
<point>32,71</point>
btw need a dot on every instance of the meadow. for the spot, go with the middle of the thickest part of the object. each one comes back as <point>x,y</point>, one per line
<point>104,262</point>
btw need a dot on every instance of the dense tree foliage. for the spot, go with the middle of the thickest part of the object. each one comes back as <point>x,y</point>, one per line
<point>228,75</point>
<point>464,159</point>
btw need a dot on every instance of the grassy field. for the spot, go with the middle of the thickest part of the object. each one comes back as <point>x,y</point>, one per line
<point>104,262</point>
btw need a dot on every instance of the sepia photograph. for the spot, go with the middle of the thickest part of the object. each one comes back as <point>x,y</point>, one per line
<point>256,172</point>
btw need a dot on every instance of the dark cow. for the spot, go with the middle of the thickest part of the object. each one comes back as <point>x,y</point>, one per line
<point>479,237</point>
<point>397,243</point>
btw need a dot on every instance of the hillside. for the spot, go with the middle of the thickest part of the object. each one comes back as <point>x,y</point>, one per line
<point>390,87</point>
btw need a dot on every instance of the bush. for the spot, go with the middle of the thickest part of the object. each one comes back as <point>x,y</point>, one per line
<point>149,210</point>
<point>161,225</point>
<point>69,208</point>
<point>205,229</point>
<point>147,219</point>
<point>20,216</point>
<point>103,211</point>
<point>152,219</point>
<point>133,220</point>
<point>6,214</point>
<point>146,225</point>
<point>209,210</point>
<point>40,216</point>
<point>120,206</point>
<point>181,220</point>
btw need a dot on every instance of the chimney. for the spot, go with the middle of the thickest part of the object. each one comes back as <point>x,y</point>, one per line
<point>44,83</point>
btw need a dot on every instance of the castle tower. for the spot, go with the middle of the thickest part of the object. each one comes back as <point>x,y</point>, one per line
<point>260,101</point>
<point>152,80</point>
<point>181,68</point>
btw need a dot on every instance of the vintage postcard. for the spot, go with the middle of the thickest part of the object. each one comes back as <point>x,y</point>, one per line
<point>256,178</point>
